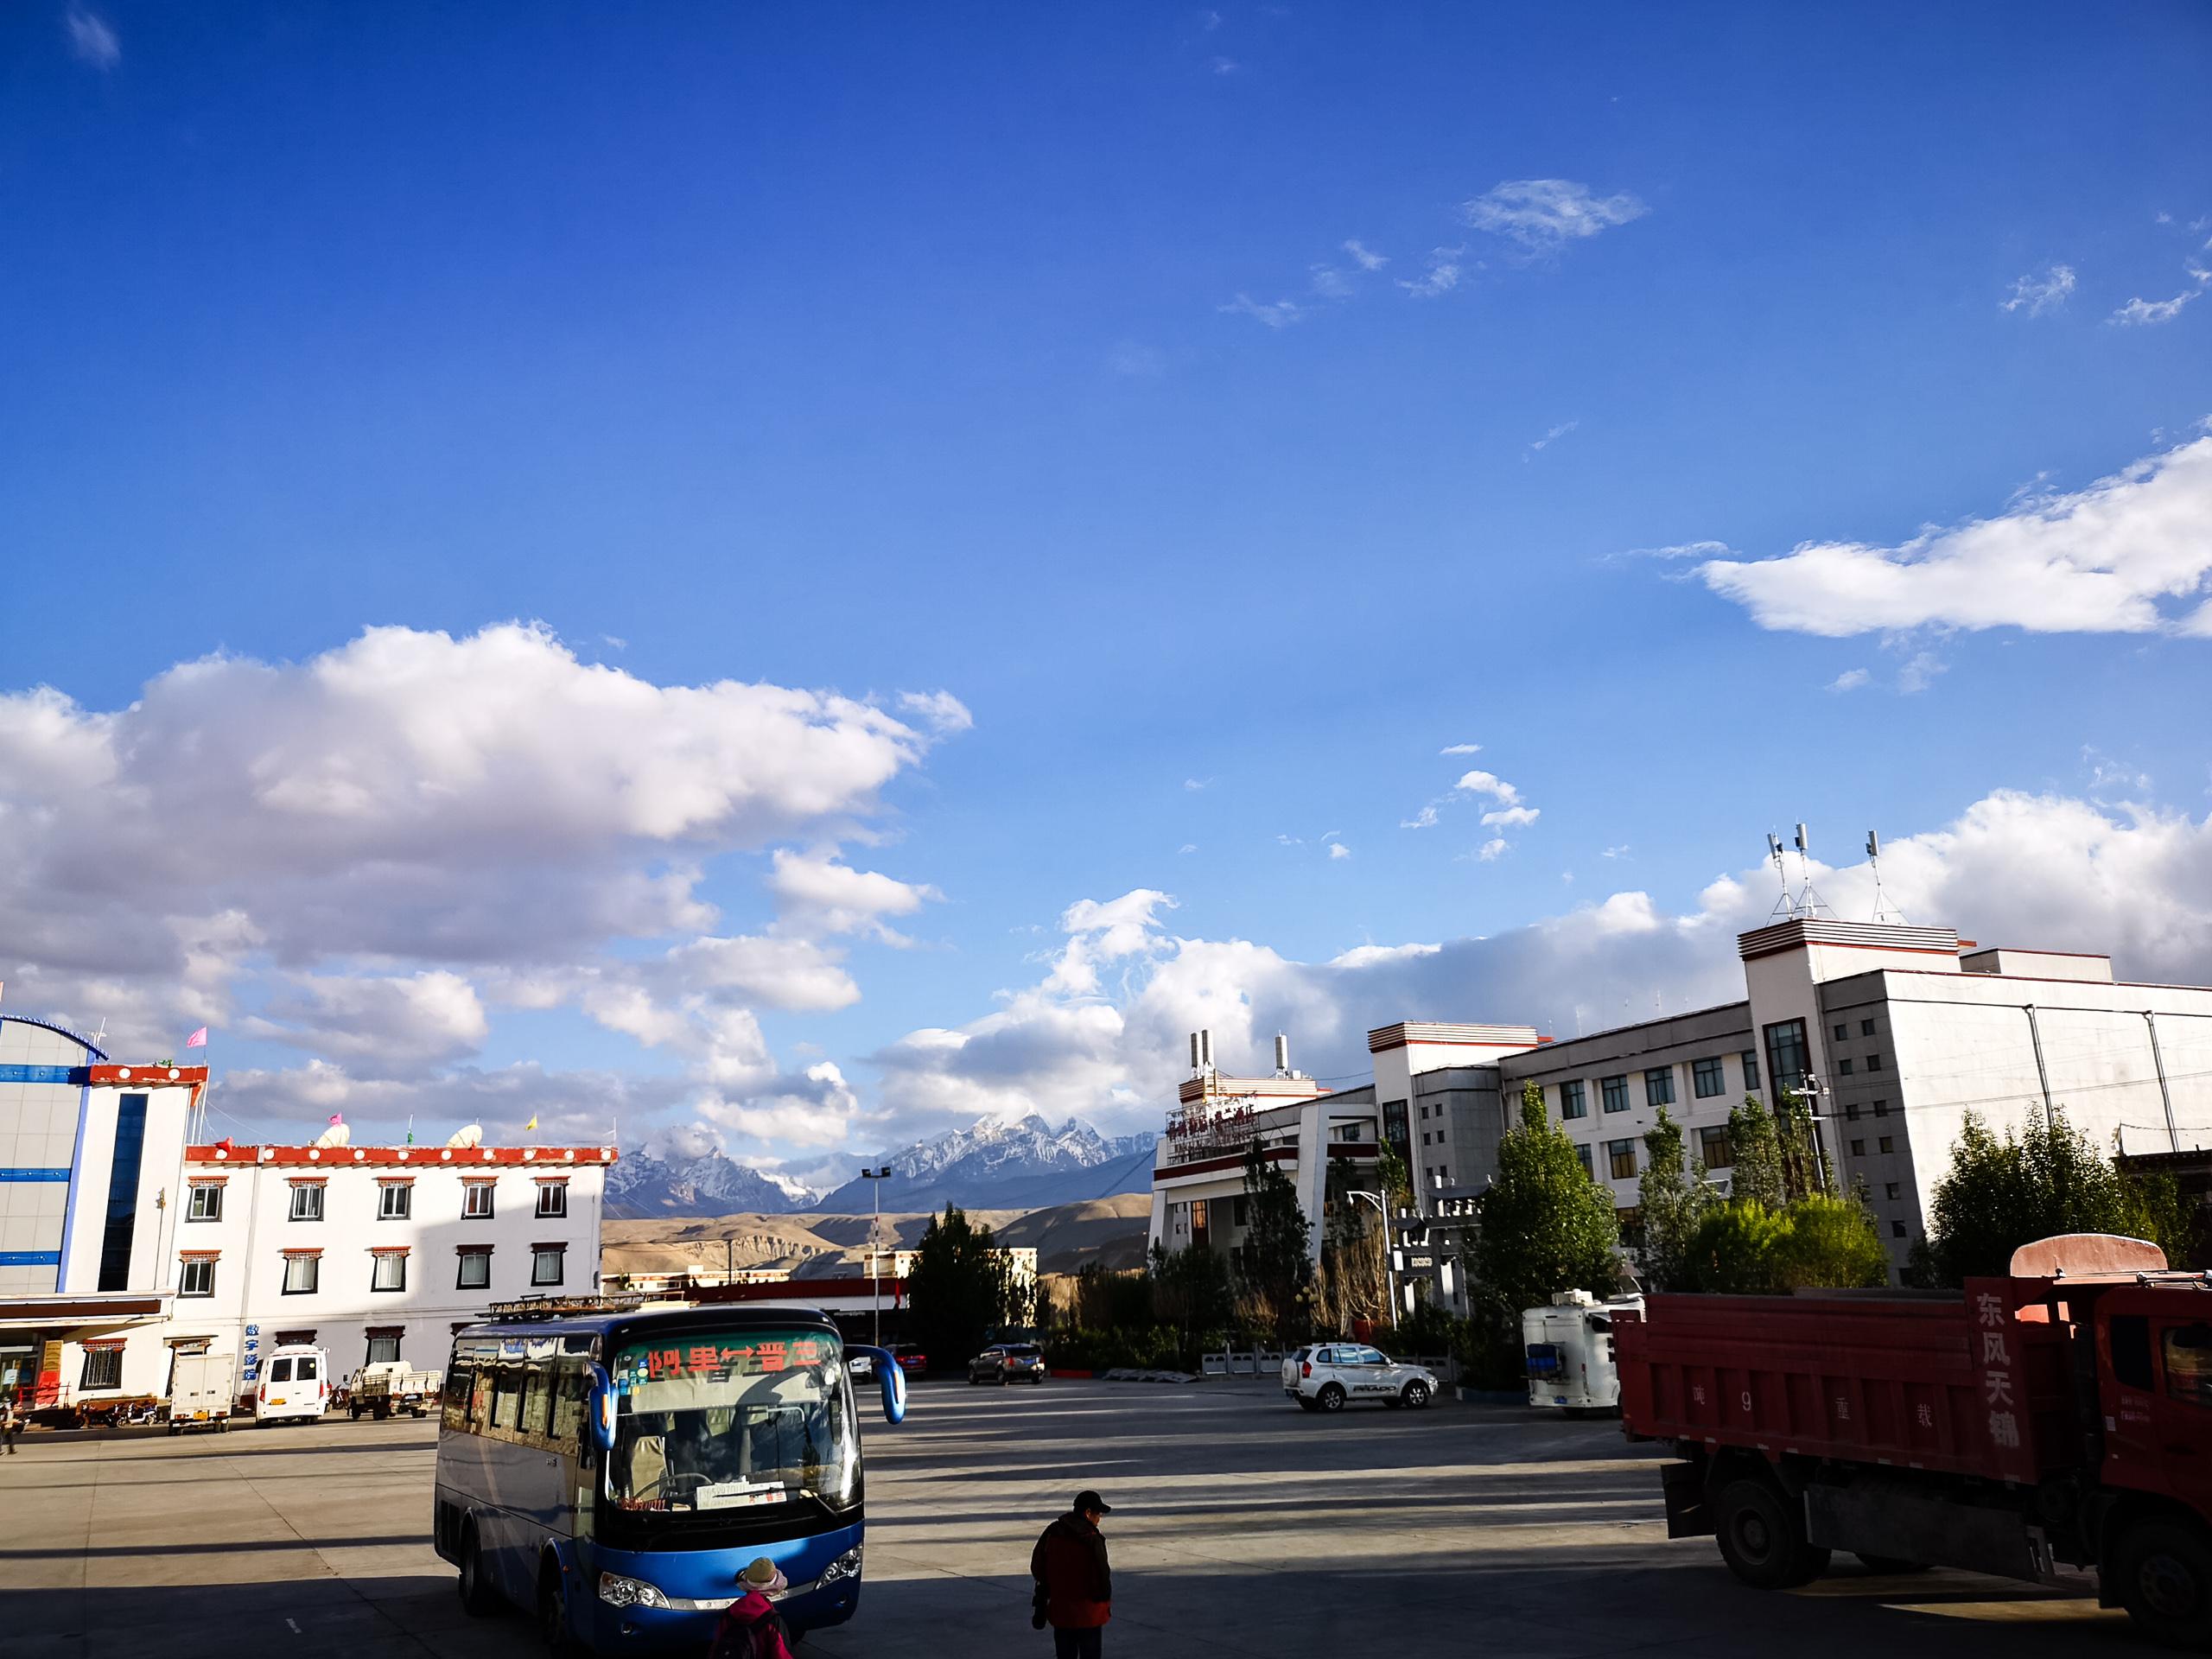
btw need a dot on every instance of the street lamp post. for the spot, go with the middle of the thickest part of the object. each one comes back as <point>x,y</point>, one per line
<point>1390,1273</point>
<point>876,1177</point>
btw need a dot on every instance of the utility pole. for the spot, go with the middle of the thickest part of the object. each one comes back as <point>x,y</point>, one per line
<point>876,1177</point>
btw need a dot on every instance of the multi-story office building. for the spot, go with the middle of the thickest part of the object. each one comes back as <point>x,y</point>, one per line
<point>1892,1033</point>
<point>90,1153</point>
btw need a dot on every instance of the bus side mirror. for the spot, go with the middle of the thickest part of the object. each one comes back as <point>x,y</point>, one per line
<point>598,1411</point>
<point>893,1375</point>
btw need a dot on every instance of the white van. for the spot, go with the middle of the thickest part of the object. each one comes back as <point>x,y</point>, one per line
<point>294,1385</point>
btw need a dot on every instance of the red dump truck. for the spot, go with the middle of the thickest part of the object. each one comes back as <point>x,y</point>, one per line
<point>2060,1417</point>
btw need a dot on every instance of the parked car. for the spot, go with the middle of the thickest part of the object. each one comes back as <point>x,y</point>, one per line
<point>1008,1361</point>
<point>203,1388</point>
<point>1330,1375</point>
<point>912,1360</point>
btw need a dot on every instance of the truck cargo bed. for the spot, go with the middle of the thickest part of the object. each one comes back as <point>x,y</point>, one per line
<point>1974,1384</point>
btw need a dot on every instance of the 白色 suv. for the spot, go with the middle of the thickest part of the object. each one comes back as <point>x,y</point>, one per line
<point>1330,1375</point>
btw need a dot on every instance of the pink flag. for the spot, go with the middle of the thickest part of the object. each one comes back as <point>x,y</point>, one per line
<point>198,1040</point>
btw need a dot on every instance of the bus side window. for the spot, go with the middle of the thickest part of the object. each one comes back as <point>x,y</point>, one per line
<point>461,1383</point>
<point>569,1404</point>
<point>537,1403</point>
<point>479,1398</point>
<point>506,1397</point>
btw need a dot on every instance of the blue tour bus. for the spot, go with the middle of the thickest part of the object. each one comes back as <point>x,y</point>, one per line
<point>613,1469</point>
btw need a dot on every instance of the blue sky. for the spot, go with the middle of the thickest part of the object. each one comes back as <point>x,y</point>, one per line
<point>1021,357</point>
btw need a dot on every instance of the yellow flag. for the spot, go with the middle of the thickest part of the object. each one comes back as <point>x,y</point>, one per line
<point>533,1124</point>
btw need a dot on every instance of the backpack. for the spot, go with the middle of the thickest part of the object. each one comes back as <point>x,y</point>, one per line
<point>742,1638</point>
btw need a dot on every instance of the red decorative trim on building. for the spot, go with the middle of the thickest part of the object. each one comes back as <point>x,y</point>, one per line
<point>395,1180</point>
<point>302,1250</point>
<point>103,1344</point>
<point>152,1076</point>
<point>550,1180</point>
<point>198,1255</point>
<point>417,1157</point>
<point>208,1180</point>
<point>307,1180</point>
<point>472,1249</point>
<point>389,1250</point>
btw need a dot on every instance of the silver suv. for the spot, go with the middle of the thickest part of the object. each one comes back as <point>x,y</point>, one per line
<point>1329,1375</point>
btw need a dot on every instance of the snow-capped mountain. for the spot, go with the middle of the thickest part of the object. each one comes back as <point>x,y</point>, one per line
<point>987,1165</point>
<point>998,1166</point>
<point>643,1183</point>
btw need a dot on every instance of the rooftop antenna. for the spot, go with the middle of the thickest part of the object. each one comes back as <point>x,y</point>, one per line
<point>1809,903</point>
<point>1882,911</point>
<point>1785,908</point>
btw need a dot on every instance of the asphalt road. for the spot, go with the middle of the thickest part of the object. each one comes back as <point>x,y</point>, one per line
<point>1242,1527</point>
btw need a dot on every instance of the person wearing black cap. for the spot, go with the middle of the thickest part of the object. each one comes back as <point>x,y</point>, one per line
<point>1075,1587</point>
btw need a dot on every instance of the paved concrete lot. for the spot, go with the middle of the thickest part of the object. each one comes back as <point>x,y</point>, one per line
<point>1242,1527</point>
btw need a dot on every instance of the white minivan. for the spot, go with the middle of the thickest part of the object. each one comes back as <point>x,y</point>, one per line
<point>294,1385</point>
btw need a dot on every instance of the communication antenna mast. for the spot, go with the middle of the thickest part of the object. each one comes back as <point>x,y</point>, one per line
<point>1882,911</point>
<point>1809,903</point>
<point>1785,907</point>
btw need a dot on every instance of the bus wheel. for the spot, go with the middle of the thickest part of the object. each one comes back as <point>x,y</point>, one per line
<point>553,1610</point>
<point>2161,1573</point>
<point>477,1599</point>
<point>1762,1537</point>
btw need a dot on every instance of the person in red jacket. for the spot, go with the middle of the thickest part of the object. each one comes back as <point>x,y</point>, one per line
<point>751,1628</point>
<point>1075,1587</point>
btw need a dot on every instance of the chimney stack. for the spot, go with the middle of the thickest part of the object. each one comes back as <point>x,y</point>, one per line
<point>1205,1050</point>
<point>1282,1055</point>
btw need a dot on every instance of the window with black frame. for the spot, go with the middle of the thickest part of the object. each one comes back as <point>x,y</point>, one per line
<point>1788,1060</point>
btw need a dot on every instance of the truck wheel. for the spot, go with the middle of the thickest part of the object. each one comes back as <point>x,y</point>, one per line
<point>2161,1573</point>
<point>1890,1565</point>
<point>1331,1397</point>
<point>477,1599</point>
<point>1762,1537</point>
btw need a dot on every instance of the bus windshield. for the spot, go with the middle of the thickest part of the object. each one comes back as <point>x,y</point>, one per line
<point>707,1421</point>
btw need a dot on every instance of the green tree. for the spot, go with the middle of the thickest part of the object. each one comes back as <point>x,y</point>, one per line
<point>1544,1226</point>
<point>2042,1177</point>
<point>1743,1248</point>
<point>1277,1270</point>
<point>1756,1173</point>
<point>961,1288</point>
<point>1190,1290</point>
<point>1671,1198</point>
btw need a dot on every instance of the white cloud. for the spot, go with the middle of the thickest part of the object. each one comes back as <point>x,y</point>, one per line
<point>1187,846</point>
<point>366,854</point>
<point>1492,849</point>
<point>1461,748</point>
<point>1679,551</point>
<point>1196,784</point>
<point>1441,276</point>
<point>816,894</point>
<point>1227,66</point>
<point>1279,313</point>
<point>1332,283</point>
<point>1920,671</point>
<point>1850,680</point>
<point>940,711</point>
<point>2042,871</point>
<point>1545,215</point>
<point>1490,784</point>
<point>1510,817</point>
<point>1365,259</point>
<point>91,39</point>
<point>2139,312</point>
<point>1338,849</point>
<point>1554,435</point>
<point>2098,560</point>
<point>2036,295</point>
<point>1621,851</point>
<point>1424,819</point>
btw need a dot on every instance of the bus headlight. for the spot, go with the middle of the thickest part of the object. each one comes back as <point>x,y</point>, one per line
<point>846,1565</point>
<point>618,1592</point>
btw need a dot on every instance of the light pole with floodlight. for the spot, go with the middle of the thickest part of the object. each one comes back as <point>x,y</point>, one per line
<point>876,1177</point>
